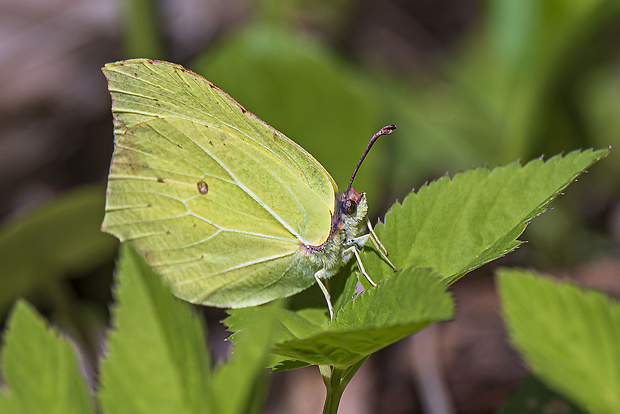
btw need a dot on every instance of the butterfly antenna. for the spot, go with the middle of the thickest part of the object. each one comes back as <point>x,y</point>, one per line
<point>386,130</point>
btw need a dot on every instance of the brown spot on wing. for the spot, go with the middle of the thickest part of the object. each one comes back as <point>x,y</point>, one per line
<point>203,188</point>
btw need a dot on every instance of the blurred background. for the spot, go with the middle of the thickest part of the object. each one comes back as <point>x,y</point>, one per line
<point>469,83</point>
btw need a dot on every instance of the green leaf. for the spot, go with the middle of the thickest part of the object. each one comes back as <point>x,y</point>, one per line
<point>156,360</point>
<point>343,286</point>
<point>457,225</point>
<point>290,325</point>
<point>240,384</point>
<point>569,337</point>
<point>40,368</point>
<point>398,307</point>
<point>533,397</point>
<point>306,315</point>
<point>55,239</point>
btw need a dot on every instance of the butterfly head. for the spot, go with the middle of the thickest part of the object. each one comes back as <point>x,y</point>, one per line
<point>353,209</point>
<point>350,201</point>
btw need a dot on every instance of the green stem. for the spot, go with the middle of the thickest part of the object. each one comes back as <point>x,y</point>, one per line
<point>336,380</point>
<point>334,387</point>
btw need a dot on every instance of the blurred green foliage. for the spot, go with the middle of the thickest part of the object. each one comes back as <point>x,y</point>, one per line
<point>142,33</point>
<point>57,240</point>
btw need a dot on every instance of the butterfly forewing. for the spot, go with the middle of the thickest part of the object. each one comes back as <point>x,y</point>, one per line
<point>143,89</point>
<point>217,201</point>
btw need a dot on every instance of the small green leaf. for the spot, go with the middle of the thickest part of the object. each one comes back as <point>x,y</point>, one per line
<point>342,287</point>
<point>398,307</point>
<point>57,238</point>
<point>457,225</point>
<point>156,360</point>
<point>239,384</point>
<point>305,316</point>
<point>40,368</point>
<point>569,337</point>
<point>533,397</point>
<point>290,325</point>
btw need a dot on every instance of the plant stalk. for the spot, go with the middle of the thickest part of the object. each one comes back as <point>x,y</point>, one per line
<point>336,380</point>
<point>334,388</point>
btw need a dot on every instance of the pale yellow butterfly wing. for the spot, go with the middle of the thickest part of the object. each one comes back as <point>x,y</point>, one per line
<point>217,201</point>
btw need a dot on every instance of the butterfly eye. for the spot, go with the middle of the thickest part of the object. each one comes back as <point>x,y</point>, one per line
<point>349,206</point>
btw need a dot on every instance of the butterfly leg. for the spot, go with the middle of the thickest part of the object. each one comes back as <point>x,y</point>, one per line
<point>375,239</point>
<point>328,298</point>
<point>382,250</point>
<point>353,249</point>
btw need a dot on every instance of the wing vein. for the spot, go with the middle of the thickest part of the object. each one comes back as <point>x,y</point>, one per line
<point>239,266</point>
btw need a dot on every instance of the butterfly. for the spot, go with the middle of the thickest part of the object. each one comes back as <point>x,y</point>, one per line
<point>227,210</point>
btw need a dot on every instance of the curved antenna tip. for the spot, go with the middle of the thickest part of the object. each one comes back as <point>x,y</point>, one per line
<point>386,130</point>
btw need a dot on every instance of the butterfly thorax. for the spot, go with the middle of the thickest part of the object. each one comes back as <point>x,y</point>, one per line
<point>347,223</point>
